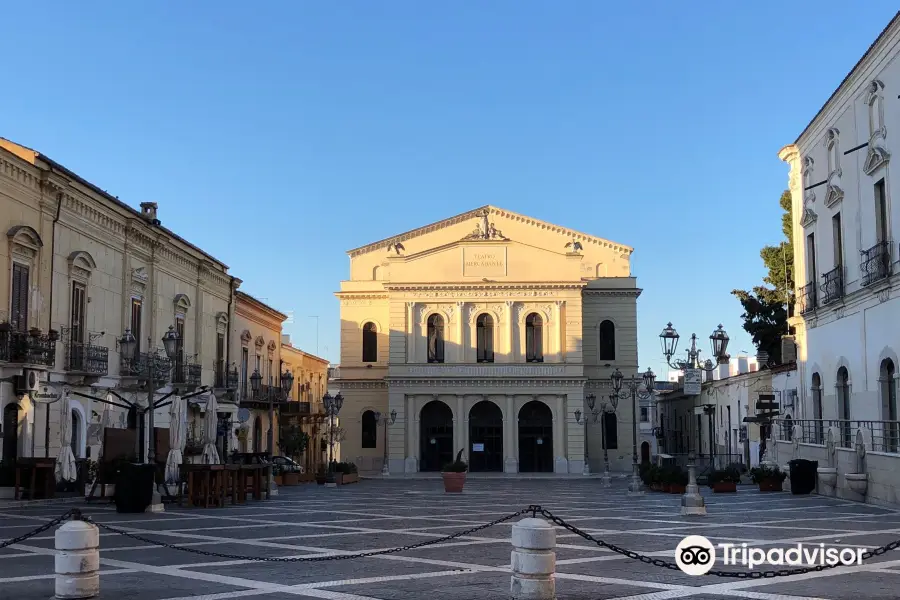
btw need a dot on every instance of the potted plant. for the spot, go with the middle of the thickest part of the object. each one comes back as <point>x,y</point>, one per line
<point>769,477</point>
<point>277,475</point>
<point>349,473</point>
<point>454,474</point>
<point>292,441</point>
<point>677,480</point>
<point>321,475</point>
<point>724,480</point>
<point>134,485</point>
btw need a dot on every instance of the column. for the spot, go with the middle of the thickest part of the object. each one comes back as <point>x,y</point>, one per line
<point>510,438</point>
<point>397,433</point>
<point>461,428</point>
<point>511,331</point>
<point>461,331</point>
<point>410,332</point>
<point>574,435</point>
<point>558,331</point>
<point>412,451</point>
<point>560,438</point>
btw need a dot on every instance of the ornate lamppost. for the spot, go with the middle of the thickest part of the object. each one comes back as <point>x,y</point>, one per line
<point>606,408</point>
<point>332,408</point>
<point>590,416</point>
<point>632,386</point>
<point>287,381</point>
<point>387,421</point>
<point>692,502</point>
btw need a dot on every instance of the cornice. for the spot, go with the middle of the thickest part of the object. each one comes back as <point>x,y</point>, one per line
<point>361,384</point>
<point>512,286</point>
<point>362,295</point>
<point>632,293</point>
<point>573,382</point>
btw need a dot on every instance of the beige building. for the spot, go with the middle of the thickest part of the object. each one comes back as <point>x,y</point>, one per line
<point>305,407</point>
<point>484,332</point>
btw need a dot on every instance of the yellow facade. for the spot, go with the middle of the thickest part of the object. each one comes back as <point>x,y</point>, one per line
<point>488,279</point>
<point>310,380</point>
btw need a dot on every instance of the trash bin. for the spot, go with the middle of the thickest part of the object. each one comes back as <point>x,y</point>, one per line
<point>803,475</point>
<point>134,487</point>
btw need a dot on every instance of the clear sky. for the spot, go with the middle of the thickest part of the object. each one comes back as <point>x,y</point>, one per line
<point>279,135</point>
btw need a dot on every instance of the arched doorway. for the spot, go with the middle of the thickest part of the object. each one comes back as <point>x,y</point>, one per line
<point>436,436</point>
<point>257,435</point>
<point>535,438</point>
<point>486,437</point>
<point>76,434</point>
<point>645,452</point>
<point>10,433</point>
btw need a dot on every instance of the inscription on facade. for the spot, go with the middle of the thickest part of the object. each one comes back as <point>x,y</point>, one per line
<point>488,371</point>
<point>484,261</point>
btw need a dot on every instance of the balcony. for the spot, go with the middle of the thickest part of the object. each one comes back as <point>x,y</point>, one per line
<point>187,372</point>
<point>225,377</point>
<point>137,367</point>
<point>260,399</point>
<point>876,263</point>
<point>833,286</point>
<point>296,409</point>
<point>87,359</point>
<point>806,298</point>
<point>31,348</point>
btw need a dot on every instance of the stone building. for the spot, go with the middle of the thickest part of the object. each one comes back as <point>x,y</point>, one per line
<point>310,383</point>
<point>483,333</point>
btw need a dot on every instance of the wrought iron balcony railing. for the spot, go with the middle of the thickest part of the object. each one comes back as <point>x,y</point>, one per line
<point>296,408</point>
<point>187,372</point>
<point>876,263</point>
<point>31,347</point>
<point>833,285</point>
<point>806,298</point>
<point>226,376</point>
<point>138,366</point>
<point>87,358</point>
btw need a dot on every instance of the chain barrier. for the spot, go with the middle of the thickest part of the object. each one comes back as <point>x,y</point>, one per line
<point>658,562</point>
<point>75,513</point>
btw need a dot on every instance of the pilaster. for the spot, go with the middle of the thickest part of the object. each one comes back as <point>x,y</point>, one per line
<point>460,427</point>
<point>399,432</point>
<point>510,438</point>
<point>461,332</point>
<point>575,434</point>
<point>410,332</point>
<point>411,464</point>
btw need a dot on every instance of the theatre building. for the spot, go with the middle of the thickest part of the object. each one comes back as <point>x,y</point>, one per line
<point>485,332</point>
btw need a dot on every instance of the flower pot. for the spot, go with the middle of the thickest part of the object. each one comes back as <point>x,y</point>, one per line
<point>770,485</point>
<point>320,479</point>
<point>454,482</point>
<point>350,478</point>
<point>278,480</point>
<point>724,487</point>
<point>290,478</point>
<point>857,482</point>
<point>827,476</point>
<point>676,488</point>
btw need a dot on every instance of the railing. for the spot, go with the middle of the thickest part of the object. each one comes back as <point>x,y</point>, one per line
<point>137,367</point>
<point>187,373</point>
<point>87,358</point>
<point>32,347</point>
<point>226,377</point>
<point>885,434</point>
<point>296,408</point>
<point>833,285</point>
<point>806,298</point>
<point>876,263</point>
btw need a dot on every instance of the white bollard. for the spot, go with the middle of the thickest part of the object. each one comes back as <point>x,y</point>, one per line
<point>533,560</point>
<point>77,561</point>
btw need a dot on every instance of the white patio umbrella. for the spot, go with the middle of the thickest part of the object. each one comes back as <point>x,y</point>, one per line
<point>66,469</point>
<point>177,435</point>
<point>210,429</point>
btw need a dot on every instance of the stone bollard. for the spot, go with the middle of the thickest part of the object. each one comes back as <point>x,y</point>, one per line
<point>533,560</point>
<point>77,560</point>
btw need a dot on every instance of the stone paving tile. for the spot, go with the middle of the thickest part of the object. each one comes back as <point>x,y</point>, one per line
<point>166,556</point>
<point>858,586</point>
<point>133,586</point>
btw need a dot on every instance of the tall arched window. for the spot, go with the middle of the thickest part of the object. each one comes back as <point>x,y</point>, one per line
<point>435,339</point>
<point>370,343</point>
<point>843,398</point>
<point>484,330</point>
<point>816,393</point>
<point>369,430</point>
<point>607,349</point>
<point>889,405</point>
<point>610,430</point>
<point>534,338</point>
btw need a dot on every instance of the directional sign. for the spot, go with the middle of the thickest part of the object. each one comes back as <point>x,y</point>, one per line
<point>766,406</point>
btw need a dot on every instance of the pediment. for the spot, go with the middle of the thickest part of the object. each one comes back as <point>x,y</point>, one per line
<point>833,195</point>
<point>876,158</point>
<point>808,218</point>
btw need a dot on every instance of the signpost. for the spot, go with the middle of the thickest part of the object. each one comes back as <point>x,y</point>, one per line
<point>693,382</point>
<point>46,395</point>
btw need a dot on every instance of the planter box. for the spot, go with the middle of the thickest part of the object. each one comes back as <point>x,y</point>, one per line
<point>350,478</point>
<point>676,488</point>
<point>770,485</point>
<point>320,479</point>
<point>290,479</point>
<point>724,487</point>
<point>278,480</point>
<point>7,493</point>
<point>454,482</point>
<point>134,487</point>
<point>307,478</point>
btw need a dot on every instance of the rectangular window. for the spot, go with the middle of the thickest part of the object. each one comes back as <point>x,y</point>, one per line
<point>179,350</point>
<point>136,313</point>
<point>811,258</point>
<point>259,364</point>
<point>645,414</point>
<point>77,316</point>
<point>270,372</point>
<point>18,312</point>
<point>220,347</point>
<point>881,214</point>
<point>838,237</point>
<point>245,364</point>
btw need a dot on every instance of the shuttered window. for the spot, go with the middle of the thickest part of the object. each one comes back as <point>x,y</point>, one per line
<point>19,298</point>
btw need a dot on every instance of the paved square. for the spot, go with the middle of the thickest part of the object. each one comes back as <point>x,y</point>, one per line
<point>372,515</point>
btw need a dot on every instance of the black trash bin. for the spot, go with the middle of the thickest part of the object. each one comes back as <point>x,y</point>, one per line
<point>803,475</point>
<point>134,487</point>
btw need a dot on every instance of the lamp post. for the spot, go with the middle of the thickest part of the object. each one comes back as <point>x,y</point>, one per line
<point>632,388</point>
<point>387,421</point>
<point>333,406</point>
<point>605,407</point>
<point>590,415</point>
<point>692,502</point>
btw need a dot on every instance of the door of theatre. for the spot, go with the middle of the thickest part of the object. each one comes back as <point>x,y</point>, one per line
<point>485,437</point>
<point>535,438</point>
<point>436,436</point>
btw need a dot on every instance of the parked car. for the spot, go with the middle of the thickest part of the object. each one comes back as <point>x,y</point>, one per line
<point>287,464</point>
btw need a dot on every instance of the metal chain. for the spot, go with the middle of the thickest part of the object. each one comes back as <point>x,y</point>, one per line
<point>42,528</point>
<point>658,562</point>
<point>312,558</point>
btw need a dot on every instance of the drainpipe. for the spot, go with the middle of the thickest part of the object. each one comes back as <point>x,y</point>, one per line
<point>59,198</point>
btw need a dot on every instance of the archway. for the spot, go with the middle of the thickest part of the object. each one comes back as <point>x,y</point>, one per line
<point>76,434</point>
<point>10,434</point>
<point>257,435</point>
<point>535,438</point>
<point>486,437</point>
<point>436,436</point>
<point>645,452</point>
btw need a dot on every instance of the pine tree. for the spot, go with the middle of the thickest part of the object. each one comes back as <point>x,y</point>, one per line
<point>766,306</point>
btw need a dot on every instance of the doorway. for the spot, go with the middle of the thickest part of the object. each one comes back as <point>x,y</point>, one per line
<point>10,434</point>
<point>436,436</point>
<point>486,437</point>
<point>535,438</point>
<point>257,435</point>
<point>645,452</point>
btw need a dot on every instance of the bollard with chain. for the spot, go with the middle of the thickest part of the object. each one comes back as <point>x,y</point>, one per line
<point>77,559</point>
<point>533,559</point>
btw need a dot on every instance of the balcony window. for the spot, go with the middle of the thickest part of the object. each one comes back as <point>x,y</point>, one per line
<point>369,343</point>
<point>876,263</point>
<point>435,339</point>
<point>807,298</point>
<point>534,338</point>
<point>833,285</point>
<point>19,298</point>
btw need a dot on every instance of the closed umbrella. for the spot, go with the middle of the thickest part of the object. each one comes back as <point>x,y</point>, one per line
<point>210,429</point>
<point>177,435</point>
<point>66,469</point>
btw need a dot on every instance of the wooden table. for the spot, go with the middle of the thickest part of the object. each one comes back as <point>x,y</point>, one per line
<point>210,479</point>
<point>46,467</point>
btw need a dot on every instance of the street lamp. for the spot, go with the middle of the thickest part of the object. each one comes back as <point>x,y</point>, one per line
<point>590,416</point>
<point>632,386</point>
<point>388,420</point>
<point>332,408</point>
<point>607,408</point>
<point>692,502</point>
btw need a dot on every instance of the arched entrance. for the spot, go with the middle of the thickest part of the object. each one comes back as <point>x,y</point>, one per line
<point>76,434</point>
<point>10,433</point>
<point>486,437</point>
<point>645,452</point>
<point>436,436</point>
<point>535,438</point>
<point>257,435</point>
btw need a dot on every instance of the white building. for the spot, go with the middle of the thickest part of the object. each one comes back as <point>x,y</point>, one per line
<point>845,238</point>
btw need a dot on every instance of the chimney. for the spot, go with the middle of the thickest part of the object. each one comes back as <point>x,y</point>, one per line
<point>286,339</point>
<point>788,349</point>
<point>743,365</point>
<point>148,211</point>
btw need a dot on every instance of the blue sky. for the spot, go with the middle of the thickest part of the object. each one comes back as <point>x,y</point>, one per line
<point>279,135</point>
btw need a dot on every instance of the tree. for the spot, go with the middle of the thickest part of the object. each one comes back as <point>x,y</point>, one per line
<point>292,440</point>
<point>767,306</point>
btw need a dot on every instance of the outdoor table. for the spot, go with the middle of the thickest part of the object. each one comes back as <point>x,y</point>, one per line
<point>209,479</point>
<point>43,467</point>
<point>254,472</point>
<point>234,484</point>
